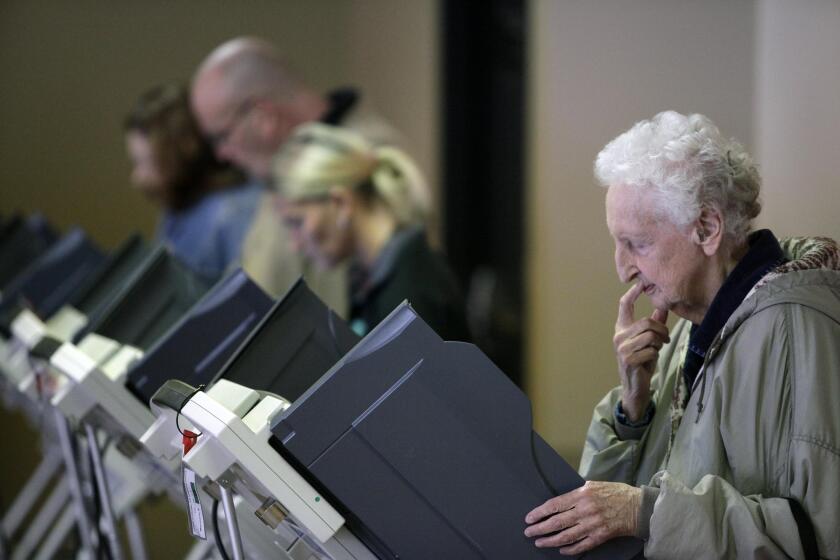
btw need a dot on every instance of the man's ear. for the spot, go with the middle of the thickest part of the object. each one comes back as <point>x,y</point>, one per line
<point>709,230</point>
<point>274,123</point>
<point>264,121</point>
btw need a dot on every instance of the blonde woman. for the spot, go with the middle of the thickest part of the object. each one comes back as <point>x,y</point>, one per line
<point>346,200</point>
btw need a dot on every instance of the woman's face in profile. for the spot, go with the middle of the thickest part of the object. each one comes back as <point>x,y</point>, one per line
<point>318,231</point>
<point>146,173</point>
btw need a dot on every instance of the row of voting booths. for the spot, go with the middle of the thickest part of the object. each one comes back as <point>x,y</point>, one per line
<point>279,431</point>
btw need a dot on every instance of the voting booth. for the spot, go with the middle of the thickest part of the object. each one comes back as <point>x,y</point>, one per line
<point>279,430</point>
<point>407,447</point>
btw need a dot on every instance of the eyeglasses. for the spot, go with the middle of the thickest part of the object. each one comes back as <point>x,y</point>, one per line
<point>216,139</point>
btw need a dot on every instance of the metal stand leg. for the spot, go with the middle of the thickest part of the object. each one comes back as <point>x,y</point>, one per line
<point>135,535</point>
<point>232,525</point>
<point>58,532</point>
<point>201,550</point>
<point>104,494</point>
<point>74,482</point>
<point>26,498</point>
<point>43,521</point>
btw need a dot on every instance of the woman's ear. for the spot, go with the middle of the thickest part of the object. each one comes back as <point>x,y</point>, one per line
<point>709,230</point>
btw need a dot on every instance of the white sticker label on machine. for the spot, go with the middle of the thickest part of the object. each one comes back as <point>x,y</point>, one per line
<point>194,511</point>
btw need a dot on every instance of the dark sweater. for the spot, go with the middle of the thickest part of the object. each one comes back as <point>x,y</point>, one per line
<point>408,269</point>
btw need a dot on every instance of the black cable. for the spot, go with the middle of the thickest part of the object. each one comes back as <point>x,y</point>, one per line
<point>102,549</point>
<point>183,404</point>
<point>94,505</point>
<point>216,534</point>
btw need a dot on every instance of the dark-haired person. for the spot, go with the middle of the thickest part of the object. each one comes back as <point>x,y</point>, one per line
<point>206,206</point>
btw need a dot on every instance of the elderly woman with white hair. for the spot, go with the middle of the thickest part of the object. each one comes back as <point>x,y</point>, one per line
<point>723,439</point>
<point>346,200</point>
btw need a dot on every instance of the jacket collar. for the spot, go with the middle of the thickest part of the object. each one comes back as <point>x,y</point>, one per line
<point>812,262</point>
<point>810,277</point>
<point>364,281</point>
<point>764,254</point>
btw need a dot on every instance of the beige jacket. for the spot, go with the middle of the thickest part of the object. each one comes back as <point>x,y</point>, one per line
<point>762,425</point>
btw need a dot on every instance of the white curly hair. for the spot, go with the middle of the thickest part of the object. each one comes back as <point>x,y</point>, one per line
<point>690,165</point>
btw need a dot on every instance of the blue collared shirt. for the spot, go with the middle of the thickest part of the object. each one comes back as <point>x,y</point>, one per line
<point>208,236</point>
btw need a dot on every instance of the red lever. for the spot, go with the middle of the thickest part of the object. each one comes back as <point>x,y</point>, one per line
<point>189,438</point>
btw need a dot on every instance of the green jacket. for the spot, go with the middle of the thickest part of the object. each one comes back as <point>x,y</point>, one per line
<point>760,435</point>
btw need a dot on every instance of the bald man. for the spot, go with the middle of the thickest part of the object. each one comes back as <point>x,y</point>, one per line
<point>248,101</point>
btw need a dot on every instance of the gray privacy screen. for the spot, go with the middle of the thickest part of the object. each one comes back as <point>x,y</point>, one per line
<point>53,278</point>
<point>22,240</point>
<point>105,284</point>
<point>427,448</point>
<point>157,295</point>
<point>202,341</point>
<point>297,341</point>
